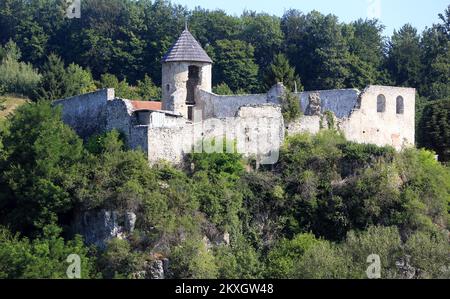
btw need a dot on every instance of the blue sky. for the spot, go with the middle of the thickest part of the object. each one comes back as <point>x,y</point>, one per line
<point>392,13</point>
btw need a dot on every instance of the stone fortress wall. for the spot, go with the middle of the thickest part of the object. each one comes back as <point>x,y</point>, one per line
<point>163,135</point>
<point>86,113</point>
<point>356,113</point>
<point>255,121</point>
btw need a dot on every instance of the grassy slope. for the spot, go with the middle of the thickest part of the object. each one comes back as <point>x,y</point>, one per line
<point>12,102</point>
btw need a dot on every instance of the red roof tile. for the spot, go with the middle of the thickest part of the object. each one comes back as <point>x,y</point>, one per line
<point>146,105</point>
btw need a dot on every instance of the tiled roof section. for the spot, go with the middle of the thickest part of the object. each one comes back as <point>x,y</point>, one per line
<point>146,105</point>
<point>186,48</point>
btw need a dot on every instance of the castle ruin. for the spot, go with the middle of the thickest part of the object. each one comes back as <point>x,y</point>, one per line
<point>190,115</point>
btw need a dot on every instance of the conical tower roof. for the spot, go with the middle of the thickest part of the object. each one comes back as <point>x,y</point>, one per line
<point>186,48</point>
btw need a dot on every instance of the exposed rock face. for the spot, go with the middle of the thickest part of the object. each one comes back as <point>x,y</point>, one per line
<point>315,105</point>
<point>275,93</point>
<point>155,270</point>
<point>405,268</point>
<point>98,227</point>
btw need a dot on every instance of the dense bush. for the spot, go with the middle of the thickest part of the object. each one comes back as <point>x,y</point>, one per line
<point>43,257</point>
<point>15,76</point>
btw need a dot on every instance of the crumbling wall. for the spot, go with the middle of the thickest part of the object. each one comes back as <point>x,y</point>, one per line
<point>305,124</point>
<point>86,113</point>
<point>258,130</point>
<point>363,124</point>
<point>118,113</point>
<point>218,106</point>
<point>366,125</point>
<point>339,101</point>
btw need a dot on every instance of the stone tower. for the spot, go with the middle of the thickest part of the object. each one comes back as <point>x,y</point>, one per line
<point>185,68</point>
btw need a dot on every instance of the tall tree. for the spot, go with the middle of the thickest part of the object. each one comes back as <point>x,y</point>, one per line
<point>435,128</point>
<point>52,85</point>
<point>263,31</point>
<point>281,71</point>
<point>317,49</point>
<point>435,45</point>
<point>404,57</point>
<point>235,65</point>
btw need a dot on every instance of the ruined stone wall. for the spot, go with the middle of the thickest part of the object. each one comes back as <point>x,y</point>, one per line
<point>86,113</point>
<point>366,125</point>
<point>118,113</point>
<point>306,124</point>
<point>218,106</point>
<point>339,101</point>
<point>258,130</point>
<point>361,122</point>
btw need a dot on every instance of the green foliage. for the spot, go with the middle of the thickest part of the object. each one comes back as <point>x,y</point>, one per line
<point>282,221</point>
<point>284,257</point>
<point>235,64</point>
<point>52,85</point>
<point>192,260</point>
<point>317,49</point>
<point>119,261</point>
<point>290,106</point>
<point>263,31</point>
<point>15,76</point>
<point>383,241</point>
<point>323,261</point>
<point>42,258</point>
<point>222,89</point>
<point>435,128</point>
<point>59,82</point>
<point>404,56</point>
<point>215,175</point>
<point>78,81</point>
<point>337,186</point>
<point>122,88</point>
<point>429,255</point>
<point>147,90</point>
<point>40,167</point>
<point>281,71</point>
<point>425,190</point>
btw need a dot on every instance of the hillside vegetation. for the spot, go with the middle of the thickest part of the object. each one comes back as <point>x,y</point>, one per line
<point>318,213</point>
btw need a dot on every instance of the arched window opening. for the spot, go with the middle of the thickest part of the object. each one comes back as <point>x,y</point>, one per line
<point>381,103</point>
<point>400,105</point>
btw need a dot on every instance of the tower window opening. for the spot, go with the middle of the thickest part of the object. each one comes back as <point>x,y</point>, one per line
<point>192,83</point>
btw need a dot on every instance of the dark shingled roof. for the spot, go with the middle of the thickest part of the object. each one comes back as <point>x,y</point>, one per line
<point>186,48</point>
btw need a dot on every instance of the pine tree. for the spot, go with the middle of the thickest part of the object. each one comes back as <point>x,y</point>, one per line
<point>281,71</point>
<point>52,86</point>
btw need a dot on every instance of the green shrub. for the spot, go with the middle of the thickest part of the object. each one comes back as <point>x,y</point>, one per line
<point>15,76</point>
